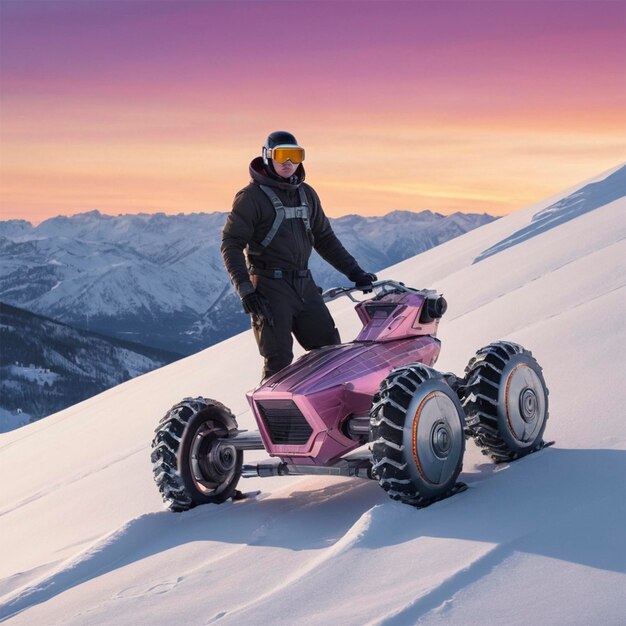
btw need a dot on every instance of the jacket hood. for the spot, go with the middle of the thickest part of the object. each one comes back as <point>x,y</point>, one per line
<point>262,176</point>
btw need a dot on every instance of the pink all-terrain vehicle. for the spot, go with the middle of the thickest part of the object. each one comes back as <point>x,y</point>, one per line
<point>373,408</point>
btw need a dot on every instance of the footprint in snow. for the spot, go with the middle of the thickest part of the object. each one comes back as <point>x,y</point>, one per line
<point>140,591</point>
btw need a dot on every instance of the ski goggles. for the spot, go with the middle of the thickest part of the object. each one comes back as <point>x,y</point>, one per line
<point>282,154</point>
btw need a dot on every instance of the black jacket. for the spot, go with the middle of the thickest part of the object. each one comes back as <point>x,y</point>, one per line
<point>252,217</point>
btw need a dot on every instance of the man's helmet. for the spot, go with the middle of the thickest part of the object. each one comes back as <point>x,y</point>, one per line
<point>282,146</point>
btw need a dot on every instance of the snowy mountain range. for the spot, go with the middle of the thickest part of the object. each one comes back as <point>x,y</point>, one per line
<point>85,540</point>
<point>159,279</point>
<point>46,366</point>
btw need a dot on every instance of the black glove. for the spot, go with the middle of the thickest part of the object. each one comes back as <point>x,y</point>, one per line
<point>257,305</point>
<point>363,280</point>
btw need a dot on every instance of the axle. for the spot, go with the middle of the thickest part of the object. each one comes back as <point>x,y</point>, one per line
<point>356,469</point>
<point>358,465</point>
<point>243,440</point>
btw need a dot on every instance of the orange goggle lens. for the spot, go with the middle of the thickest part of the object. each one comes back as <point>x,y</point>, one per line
<point>282,155</point>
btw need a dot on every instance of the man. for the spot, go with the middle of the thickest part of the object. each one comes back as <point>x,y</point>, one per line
<point>277,220</point>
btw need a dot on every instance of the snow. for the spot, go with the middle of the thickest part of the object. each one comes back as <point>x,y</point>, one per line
<point>85,540</point>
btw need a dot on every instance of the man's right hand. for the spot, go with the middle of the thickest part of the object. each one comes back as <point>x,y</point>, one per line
<point>256,304</point>
<point>363,280</point>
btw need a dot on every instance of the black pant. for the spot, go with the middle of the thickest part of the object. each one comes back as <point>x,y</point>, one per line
<point>298,308</point>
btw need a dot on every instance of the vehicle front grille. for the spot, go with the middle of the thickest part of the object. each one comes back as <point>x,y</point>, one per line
<point>284,422</point>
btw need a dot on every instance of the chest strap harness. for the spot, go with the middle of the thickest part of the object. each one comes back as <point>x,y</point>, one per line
<point>286,213</point>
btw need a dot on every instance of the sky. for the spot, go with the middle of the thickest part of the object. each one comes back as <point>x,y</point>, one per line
<point>130,106</point>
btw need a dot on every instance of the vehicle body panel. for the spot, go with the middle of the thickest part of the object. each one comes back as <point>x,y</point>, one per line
<point>301,410</point>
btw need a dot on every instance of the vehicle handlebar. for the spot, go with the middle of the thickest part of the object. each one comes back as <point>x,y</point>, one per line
<point>380,287</point>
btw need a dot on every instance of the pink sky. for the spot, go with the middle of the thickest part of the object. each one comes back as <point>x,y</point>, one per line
<point>132,106</point>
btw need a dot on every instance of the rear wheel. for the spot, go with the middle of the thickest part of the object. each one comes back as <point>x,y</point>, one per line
<point>192,461</point>
<point>505,400</point>
<point>416,435</point>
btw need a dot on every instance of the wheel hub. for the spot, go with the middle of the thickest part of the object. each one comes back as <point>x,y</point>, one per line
<point>528,405</point>
<point>524,403</point>
<point>436,437</point>
<point>440,440</point>
<point>212,462</point>
<point>224,458</point>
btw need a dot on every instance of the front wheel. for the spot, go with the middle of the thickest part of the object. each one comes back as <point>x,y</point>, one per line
<point>417,435</point>
<point>505,399</point>
<point>193,463</point>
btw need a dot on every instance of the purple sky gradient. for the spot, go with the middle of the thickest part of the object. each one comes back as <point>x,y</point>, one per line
<point>211,73</point>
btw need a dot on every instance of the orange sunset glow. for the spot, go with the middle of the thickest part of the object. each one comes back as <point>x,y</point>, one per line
<point>139,106</point>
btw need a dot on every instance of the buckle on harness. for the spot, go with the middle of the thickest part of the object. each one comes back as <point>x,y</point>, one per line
<point>278,274</point>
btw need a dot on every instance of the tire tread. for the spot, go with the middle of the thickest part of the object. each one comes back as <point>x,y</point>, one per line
<point>480,401</point>
<point>166,445</point>
<point>387,423</point>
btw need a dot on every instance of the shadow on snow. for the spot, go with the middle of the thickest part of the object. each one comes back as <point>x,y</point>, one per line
<point>563,504</point>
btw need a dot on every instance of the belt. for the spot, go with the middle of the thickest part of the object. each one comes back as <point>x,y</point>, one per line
<point>280,273</point>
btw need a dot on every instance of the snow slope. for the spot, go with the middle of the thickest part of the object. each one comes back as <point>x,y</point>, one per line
<point>84,538</point>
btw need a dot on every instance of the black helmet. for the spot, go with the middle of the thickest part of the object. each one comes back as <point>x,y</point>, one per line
<point>277,138</point>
